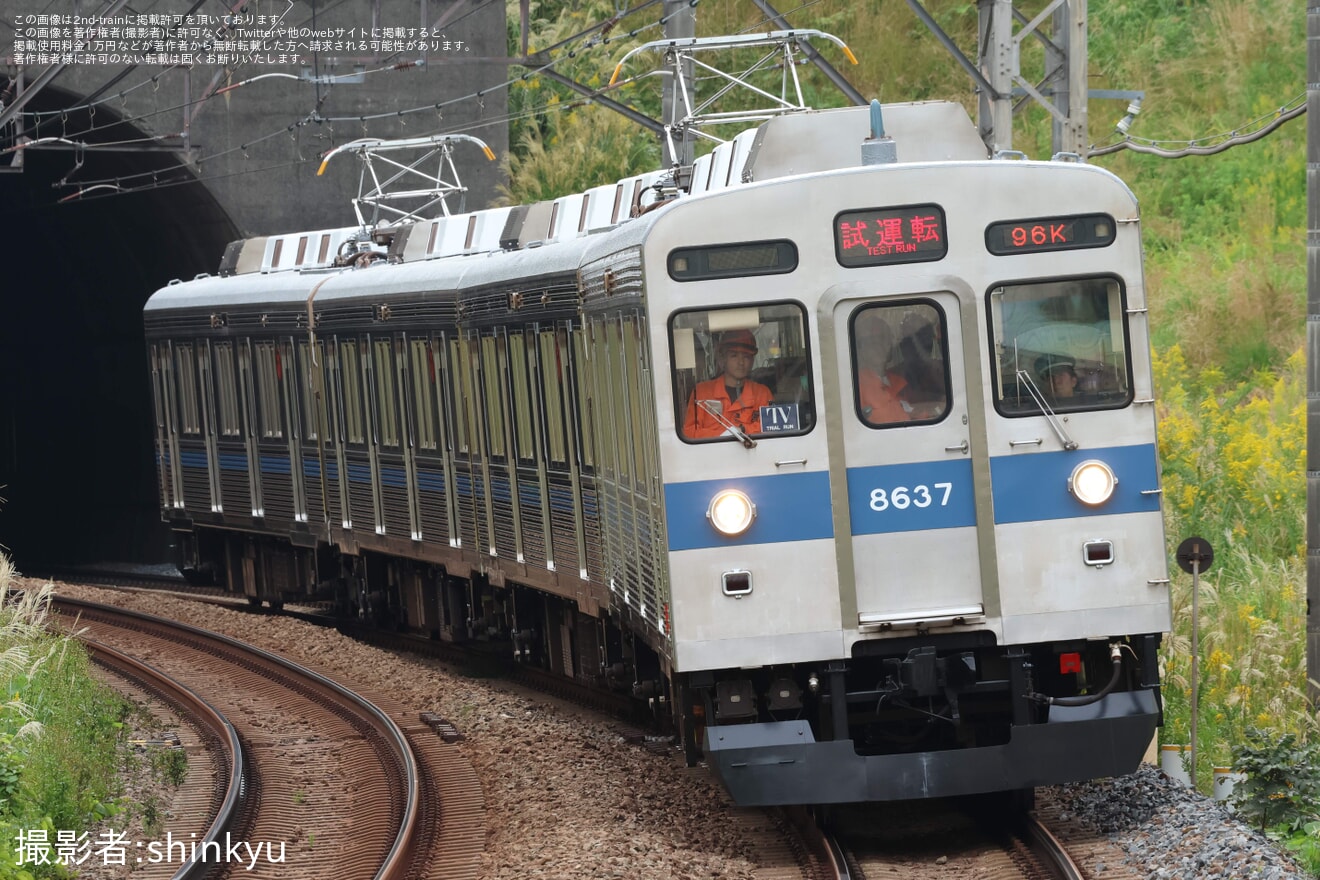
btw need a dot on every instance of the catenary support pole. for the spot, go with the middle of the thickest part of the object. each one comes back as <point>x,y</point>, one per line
<point>1313,350</point>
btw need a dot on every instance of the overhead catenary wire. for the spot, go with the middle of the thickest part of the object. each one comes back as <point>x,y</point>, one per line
<point>1205,145</point>
<point>43,116</point>
<point>119,187</point>
<point>35,131</point>
<point>315,117</point>
<point>1210,144</point>
<point>424,108</point>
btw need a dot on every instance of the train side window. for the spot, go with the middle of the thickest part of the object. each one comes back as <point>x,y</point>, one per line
<point>268,391</point>
<point>582,386</point>
<point>246,393</point>
<point>350,376</point>
<point>522,398</point>
<point>742,370</point>
<point>190,421</point>
<point>639,392</point>
<point>286,381</point>
<point>158,368</point>
<point>1060,343</point>
<point>167,387</point>
<point>230,424</point>
<point>492,390</point>
<point>311,364</point>
<point>461,387</point>
<point>423,388</point>
<point>387,405</point>
<point>900,363</point>
<point>552,382</point>
<point>610,381</point>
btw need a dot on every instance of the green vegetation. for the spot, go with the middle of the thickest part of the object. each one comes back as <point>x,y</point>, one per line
<point>1282,788</point>
<point>1226,281</point>
<point>59,732</point>
<point>1281,794</point>
<point>170,764</point>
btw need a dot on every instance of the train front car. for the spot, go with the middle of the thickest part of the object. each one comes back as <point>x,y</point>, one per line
<point>911,491</point>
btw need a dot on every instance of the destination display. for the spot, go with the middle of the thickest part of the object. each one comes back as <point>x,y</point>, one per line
<point>733,260</point>
<point>1049,234</point>
<point>885,236</point>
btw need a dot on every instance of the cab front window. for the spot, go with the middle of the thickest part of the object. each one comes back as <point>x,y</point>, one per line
<point>900,363</point>
<point>1060,345</point>
<point>741,371</point>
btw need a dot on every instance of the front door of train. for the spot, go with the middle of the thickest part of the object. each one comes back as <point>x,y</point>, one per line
<point>912,511</point>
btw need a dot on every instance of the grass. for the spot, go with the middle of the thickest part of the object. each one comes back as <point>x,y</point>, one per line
<point>1233,451</point>
<point>59,731</point>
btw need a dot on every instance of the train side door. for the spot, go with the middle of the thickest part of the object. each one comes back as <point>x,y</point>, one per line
<point>908,450</point>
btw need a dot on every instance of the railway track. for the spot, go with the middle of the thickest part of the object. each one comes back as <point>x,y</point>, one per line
<point>787,842</point>
<point>218,753</point>
<point>336,784</point>
<point>465,655</point>
<point>990,837</point>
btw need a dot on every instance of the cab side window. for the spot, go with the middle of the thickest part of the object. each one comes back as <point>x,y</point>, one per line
<point>742,371</point>
<point>1060,345</point>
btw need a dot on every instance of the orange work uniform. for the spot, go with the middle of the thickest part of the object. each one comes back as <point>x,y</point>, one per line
<point>745,412</point>
<point>882,397</point>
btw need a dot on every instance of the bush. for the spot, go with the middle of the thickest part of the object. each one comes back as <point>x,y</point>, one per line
<point>1282,789</point>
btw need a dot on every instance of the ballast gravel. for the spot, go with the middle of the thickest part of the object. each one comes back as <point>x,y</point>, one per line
<point>567,796</point>
<point>1167,831</point>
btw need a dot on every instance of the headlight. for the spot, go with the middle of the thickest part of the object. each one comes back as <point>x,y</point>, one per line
<point>1092,482</point>
<point>731,512</point>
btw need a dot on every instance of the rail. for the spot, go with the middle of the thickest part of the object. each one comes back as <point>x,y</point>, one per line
<point>398,861</point>
<point>208,716</point>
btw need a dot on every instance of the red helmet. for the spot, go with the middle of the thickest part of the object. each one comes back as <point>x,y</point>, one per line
<point>740,339</point>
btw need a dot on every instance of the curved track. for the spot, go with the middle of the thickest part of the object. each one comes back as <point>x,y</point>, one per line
<point>334,782</point>
<point>787,842</point>
<point>224,751</point>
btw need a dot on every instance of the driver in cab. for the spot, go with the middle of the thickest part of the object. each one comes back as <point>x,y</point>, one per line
<point>731,398</point>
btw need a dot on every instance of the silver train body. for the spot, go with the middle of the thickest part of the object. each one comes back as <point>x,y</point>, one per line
<point>945,576</point>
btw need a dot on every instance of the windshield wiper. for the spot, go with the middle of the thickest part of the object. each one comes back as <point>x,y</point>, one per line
<point>710,407</point>
<point>1036,395</point>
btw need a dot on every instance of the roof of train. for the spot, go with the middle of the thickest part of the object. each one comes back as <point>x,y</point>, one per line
<point>457,249</point>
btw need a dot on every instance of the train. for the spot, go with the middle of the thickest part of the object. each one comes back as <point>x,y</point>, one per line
<point>837,452</point>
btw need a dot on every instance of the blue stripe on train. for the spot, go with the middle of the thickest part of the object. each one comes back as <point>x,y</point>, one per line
<point>789,507</point>
<point>233,461</point>
<point>395,478</point>
<point>920,496</point>
<point>192,459</point>
<point>911,497</point>
<point>561,499</point>
<point>275,464</point>
<point>1032,487</point>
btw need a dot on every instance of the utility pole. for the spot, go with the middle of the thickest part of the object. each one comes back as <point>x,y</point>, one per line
<point>1313,351</point>
<point>1001,88</point>
<point>998,60</point>
<point>1067,54</point>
